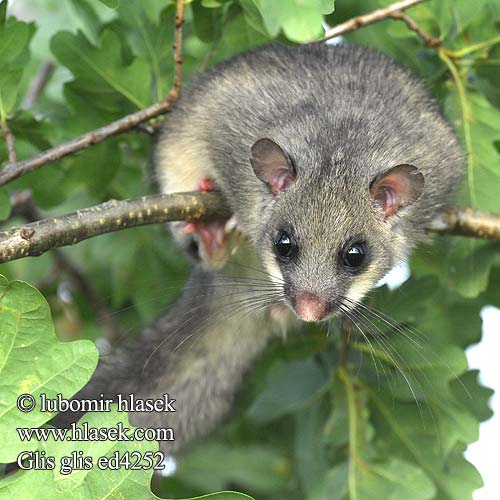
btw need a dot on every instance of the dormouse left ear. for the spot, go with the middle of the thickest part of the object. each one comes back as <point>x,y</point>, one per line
<point>271,165</point>
<point>396,188</point>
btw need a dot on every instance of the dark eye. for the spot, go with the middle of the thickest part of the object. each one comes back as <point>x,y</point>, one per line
<point>354,255</point>
<point>284,245</point>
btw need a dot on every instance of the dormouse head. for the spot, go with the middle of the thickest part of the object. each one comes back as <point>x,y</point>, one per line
<point>329,236</point>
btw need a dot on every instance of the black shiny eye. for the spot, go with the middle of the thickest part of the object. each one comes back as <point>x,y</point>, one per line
<point>284,245</point>
<point>354,255</point>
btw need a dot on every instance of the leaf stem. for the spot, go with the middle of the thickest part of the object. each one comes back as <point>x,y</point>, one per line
<point>353,429</point>
<point>9,138</point>
<point>457,54</point>
<point>466,119</point>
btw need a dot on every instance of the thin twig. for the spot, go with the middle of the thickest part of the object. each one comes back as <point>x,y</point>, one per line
<point>14,170</point>
<point>38,84</point>
<point>9,139</point>
<point>429,41</point>
<point>41,236</point>
<point>468,222</point>
<point>179,21</point>
<point>373,17</point>
<point>22,205</point>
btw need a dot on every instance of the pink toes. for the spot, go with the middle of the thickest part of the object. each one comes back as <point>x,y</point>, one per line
<point>205,184</point>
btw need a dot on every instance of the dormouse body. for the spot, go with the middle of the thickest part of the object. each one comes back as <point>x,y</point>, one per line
<point>332,158</point>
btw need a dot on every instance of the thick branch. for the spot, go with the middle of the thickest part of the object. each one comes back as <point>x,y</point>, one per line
<point>373,17</point>
<point>13,169</point>
<point>39,237</point>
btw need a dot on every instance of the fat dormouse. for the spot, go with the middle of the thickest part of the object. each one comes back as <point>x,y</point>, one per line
<point>333,160</point>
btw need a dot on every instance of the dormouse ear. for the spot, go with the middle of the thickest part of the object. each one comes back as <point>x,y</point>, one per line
<point>271,165</point>
<point>396,188</point>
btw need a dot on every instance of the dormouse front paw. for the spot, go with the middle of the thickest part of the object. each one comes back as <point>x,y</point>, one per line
<point>205,241</point>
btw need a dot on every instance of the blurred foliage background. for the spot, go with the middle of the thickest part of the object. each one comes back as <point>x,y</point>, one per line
<point>391,423</point>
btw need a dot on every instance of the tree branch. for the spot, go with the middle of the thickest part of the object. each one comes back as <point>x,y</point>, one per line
<point>468,222</point>
<point>38,84</point>
<point>9,139</point>
<point>179,21</point>
<point>429,41</point>
<point>38,237</point>
<point>15,169</point>
<point>373,17</point>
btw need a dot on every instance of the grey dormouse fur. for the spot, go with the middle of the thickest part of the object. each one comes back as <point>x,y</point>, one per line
<point>328,156</point>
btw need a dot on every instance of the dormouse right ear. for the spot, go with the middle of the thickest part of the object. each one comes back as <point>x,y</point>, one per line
<point>271,165</point>
<point>396,188</point>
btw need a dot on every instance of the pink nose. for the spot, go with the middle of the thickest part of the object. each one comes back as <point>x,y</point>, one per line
<point>310,307</point>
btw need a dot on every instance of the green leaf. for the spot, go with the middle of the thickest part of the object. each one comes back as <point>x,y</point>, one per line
<point>3,10</point>
<point>88,20</point>
<point>393,479</point>
<point>33,361</point>
<point>289,386</point>
<point>223,495</point>
<point>259,468</point>
<point>368,477</point>
<point>310,445</point>
<point>417,433</point>
<point>300,20</point>
<point>128,483</point>
<point>4,204</point>
<point>112,4</point>
<point>472,395</point>
<point>148,37</point>
<point>100,72</point>
<point>15,38</point>
<point>207,22</point>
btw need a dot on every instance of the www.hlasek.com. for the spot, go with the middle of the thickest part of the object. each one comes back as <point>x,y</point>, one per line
<point>134,460</point>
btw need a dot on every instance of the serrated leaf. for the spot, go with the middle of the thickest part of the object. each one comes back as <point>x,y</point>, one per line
<point>33,361</point>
